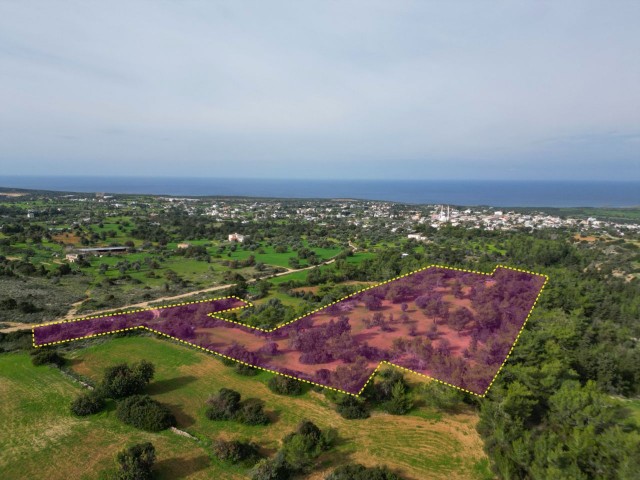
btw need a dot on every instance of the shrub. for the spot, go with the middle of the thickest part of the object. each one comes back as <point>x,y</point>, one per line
<point>301,447</point>
<point>235,451</point>
<point>46,356</point>
<point>121,381</point>
<point>246,370</point>
<point>135,462</point>
<point>356,471</point>
<point>381,391</point>
<point>141,411</point>
<point>399,403</point>
<point>275,468</point>
<point>252,412</point>
<point>87,404</point>
<point>228,361</point>
<point>309,429</point>
<point>224,405</point>
<point>284,385</point>
<point>442,396</point>
<point>144,371</point>
<point>352,408</point>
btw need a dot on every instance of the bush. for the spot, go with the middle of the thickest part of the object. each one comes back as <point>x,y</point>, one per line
<point>235,451</point>
<point>391,392</point>
<point>399,403</point>
<point>352,408</point>
<point>121,381</point>
<point>356,471</point>
<point>46,356</point>
<point>228,362</point>
<point>141,411</point>
<point>224,405</point>
<point>304,445</point>
<point>389,377</point>
<point>442,396</point>
<point>136,462</point>
<point>246,370</point>
<point>275,468</point>
<point>284,385</point>
<point>87,404</point>
<point>252,412</point>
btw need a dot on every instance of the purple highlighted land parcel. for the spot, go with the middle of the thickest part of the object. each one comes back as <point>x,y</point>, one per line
<point>455,326</point>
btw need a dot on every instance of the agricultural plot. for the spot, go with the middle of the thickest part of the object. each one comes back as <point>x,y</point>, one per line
<point>455,326</point>
<point>425,444</point>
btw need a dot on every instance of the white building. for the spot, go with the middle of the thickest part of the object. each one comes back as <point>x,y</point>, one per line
<point>236,237</point>
<point>417,236</point>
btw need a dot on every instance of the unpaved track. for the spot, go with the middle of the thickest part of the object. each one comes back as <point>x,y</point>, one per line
<point>71,314</point>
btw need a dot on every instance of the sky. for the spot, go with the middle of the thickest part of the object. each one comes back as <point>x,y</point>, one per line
<point>321,89</point>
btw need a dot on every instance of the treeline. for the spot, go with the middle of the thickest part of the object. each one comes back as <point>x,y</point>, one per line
<point>551,412</point>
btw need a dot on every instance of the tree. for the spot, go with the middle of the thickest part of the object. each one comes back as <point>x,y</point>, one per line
<point>272,469</point>
<point>441,396</point>
<point>460,318</point>
<point>378,319</point>
<point>372,302</point>
<point>284,385</point>
<point>121,381</point>
<point>136,462</point>
<point>46,356</point>
<point>142,412</point>
<point>301,447</point>
<point>245,370</point>
<point>351,408</point>
<point>87,404</point>
<point>144,371</point>
<point>235,451</point>
<point>224,405</point>
<point>399,403</point>
<point>269,348</point>
<point>252,412</point>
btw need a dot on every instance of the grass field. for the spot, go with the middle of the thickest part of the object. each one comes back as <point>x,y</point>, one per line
<point>40,438</point>
<point>270,257</point>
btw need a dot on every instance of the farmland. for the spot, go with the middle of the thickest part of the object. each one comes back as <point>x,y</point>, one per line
<point>577,358</point>
<point>418,444</point>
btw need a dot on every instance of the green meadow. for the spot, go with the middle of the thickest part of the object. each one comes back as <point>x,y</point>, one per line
<point>42,439</point>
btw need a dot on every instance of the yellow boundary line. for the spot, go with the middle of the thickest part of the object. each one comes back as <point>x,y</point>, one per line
<point>249,304</point>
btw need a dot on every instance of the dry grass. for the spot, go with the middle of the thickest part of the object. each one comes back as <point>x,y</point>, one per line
<point>446,446</point>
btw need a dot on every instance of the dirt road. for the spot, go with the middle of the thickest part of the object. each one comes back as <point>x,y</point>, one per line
<point>71,314</point>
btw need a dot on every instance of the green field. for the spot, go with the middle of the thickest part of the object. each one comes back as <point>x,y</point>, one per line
<point>270,257</point>
<point>40,438</point>
<point>44,440</point>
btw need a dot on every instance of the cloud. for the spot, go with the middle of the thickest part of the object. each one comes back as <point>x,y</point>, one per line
<point>382,89</point>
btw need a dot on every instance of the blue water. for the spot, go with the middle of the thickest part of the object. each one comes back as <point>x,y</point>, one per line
<point>494,193</point>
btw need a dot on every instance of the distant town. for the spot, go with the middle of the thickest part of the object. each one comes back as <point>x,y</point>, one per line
<point>396,217</point>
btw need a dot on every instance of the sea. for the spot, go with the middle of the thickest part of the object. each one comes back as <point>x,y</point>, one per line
<point>453,192</point>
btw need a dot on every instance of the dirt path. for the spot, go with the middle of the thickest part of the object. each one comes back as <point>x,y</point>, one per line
<point>14,327</point>
<point>74,308</point>
<point>72,313</point>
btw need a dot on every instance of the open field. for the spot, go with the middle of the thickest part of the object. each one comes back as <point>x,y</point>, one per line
<point>40,438</point>
<point>423,444</point>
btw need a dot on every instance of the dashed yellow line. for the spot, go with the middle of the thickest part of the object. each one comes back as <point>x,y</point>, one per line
<point>249,304</point>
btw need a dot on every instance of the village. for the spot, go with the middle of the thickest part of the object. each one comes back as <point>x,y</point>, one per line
<point>396,217</point>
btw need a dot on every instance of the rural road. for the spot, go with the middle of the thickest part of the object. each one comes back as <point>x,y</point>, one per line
<point>71,315</point>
